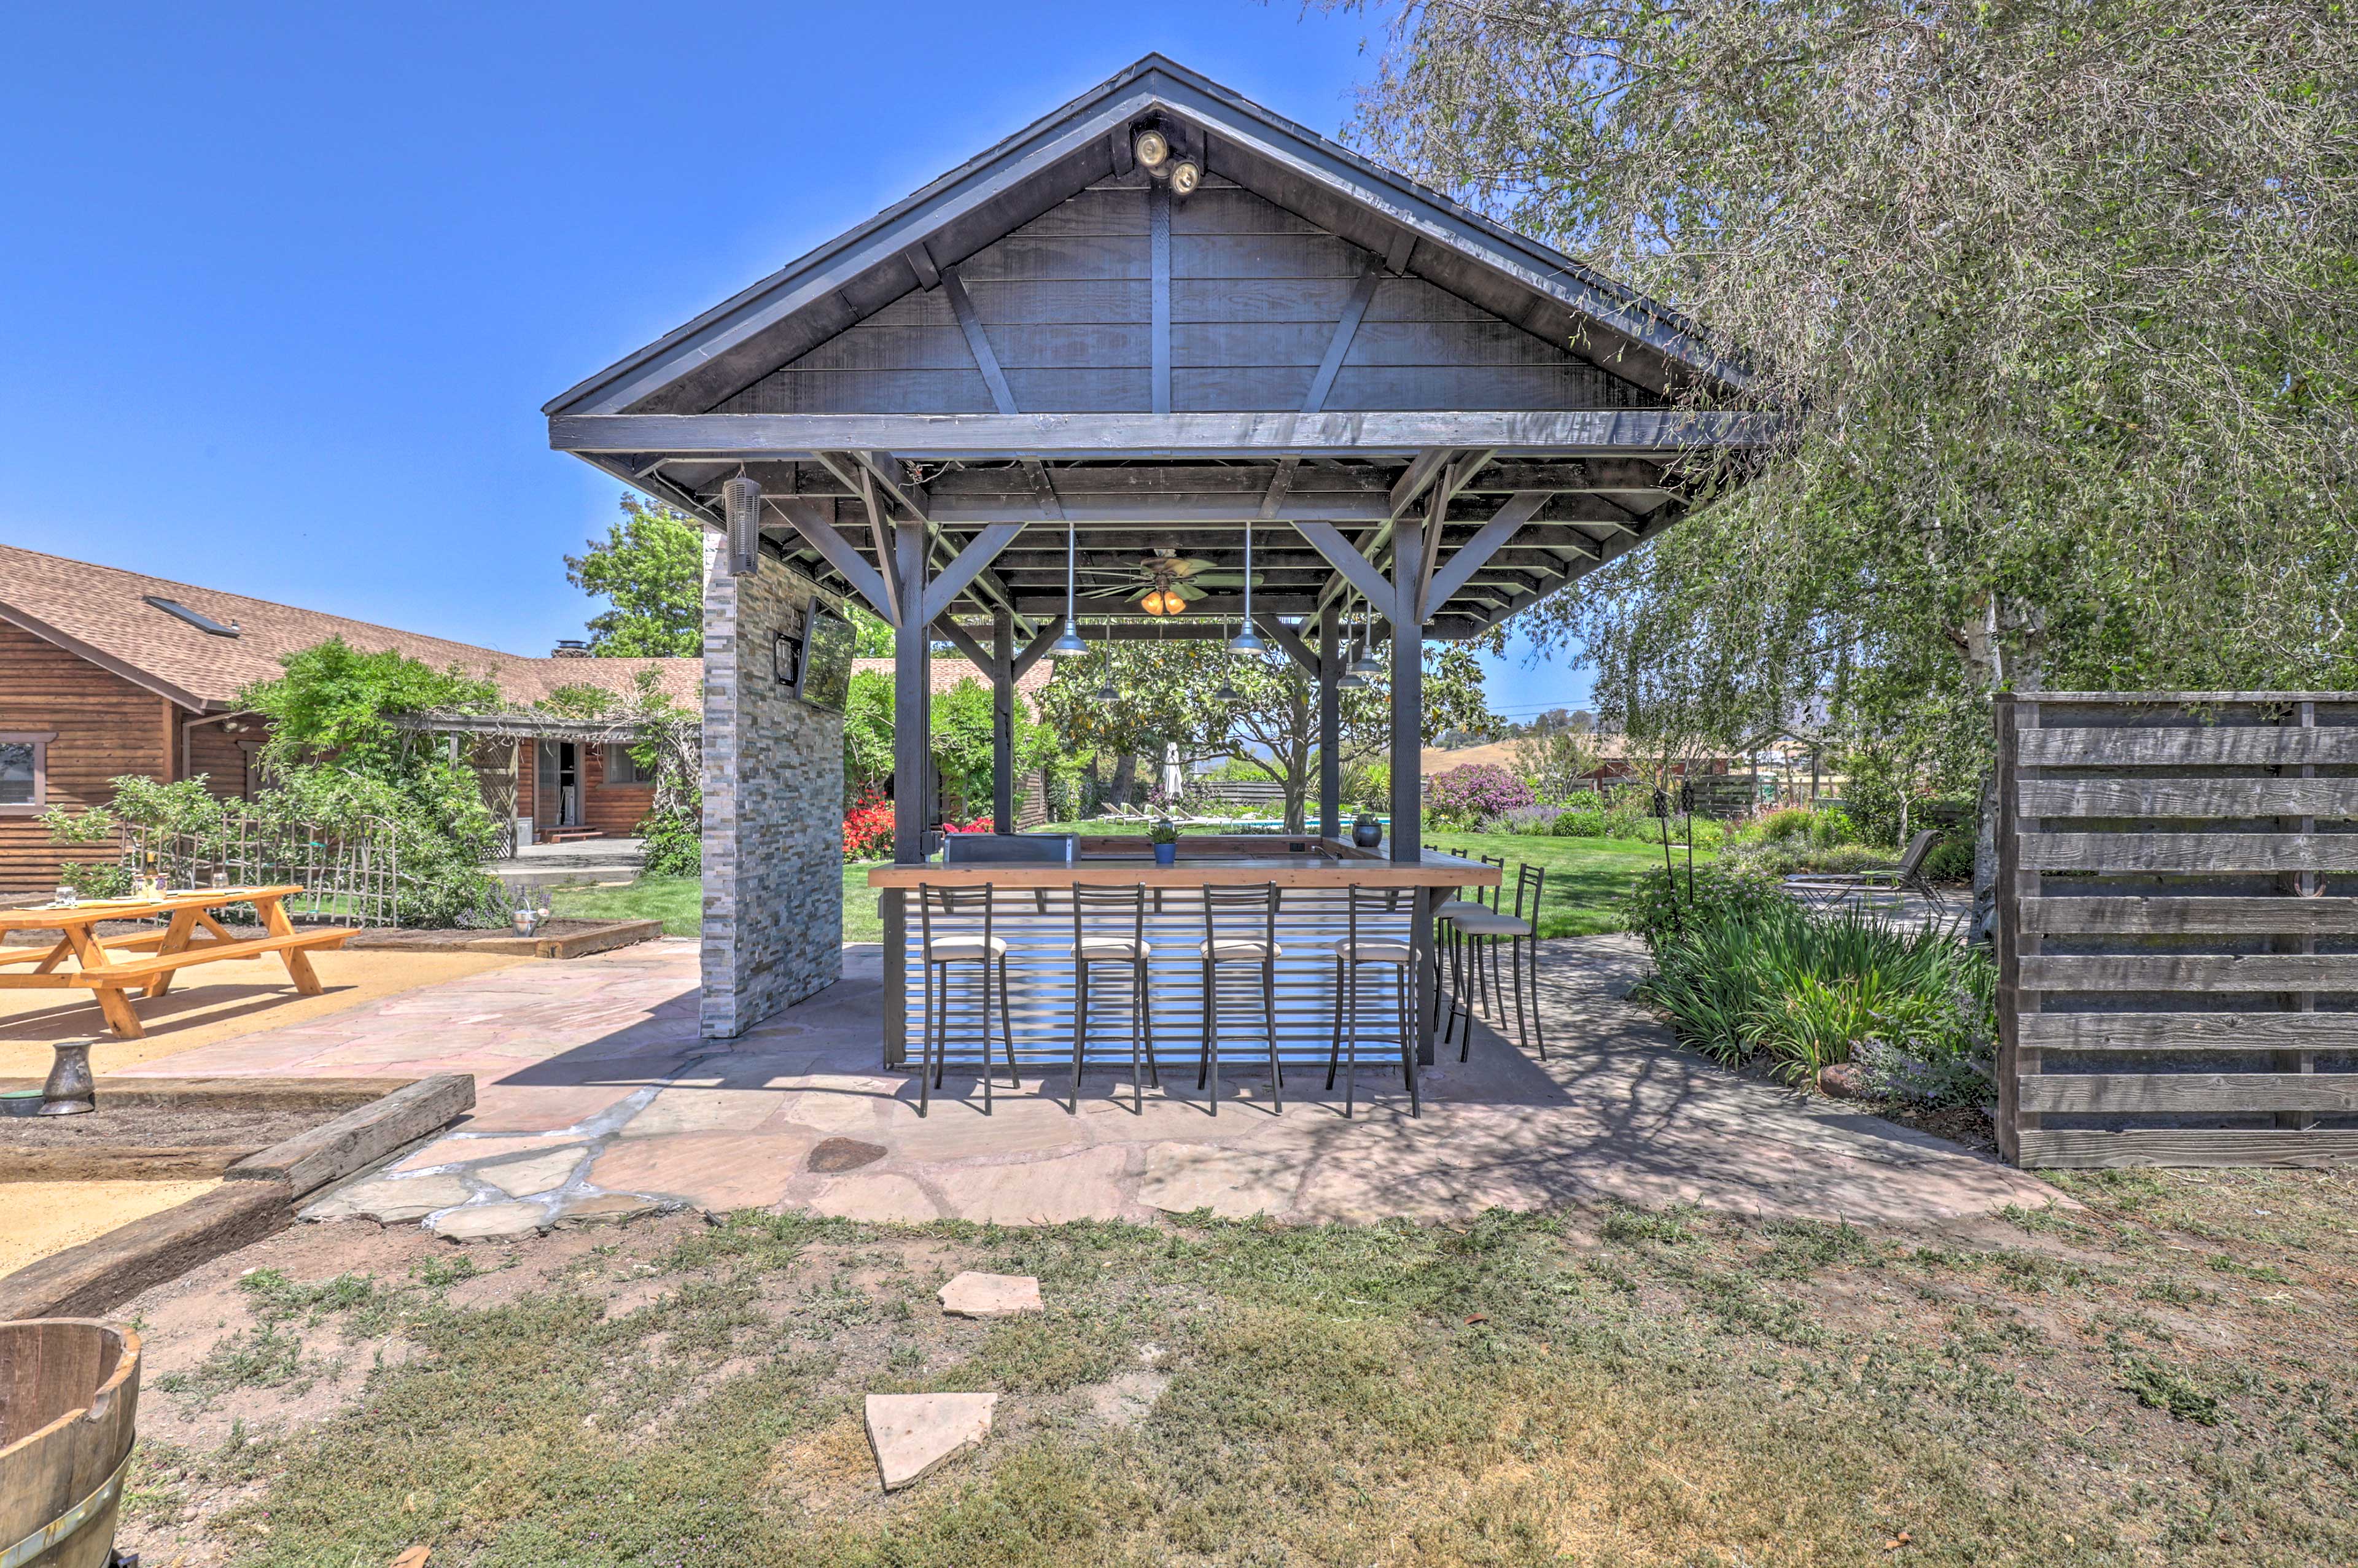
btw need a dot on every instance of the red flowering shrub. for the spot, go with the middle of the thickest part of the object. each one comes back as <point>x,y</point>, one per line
<point>980,824</point>
<point>868,827</point>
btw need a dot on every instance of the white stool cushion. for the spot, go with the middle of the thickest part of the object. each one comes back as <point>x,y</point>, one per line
<point>1240,949</point>
<point>1451,908</point>
<point>967,948</point>
<point>1371,950</point>
<point>1490,922</point>
<point>1120,947</point>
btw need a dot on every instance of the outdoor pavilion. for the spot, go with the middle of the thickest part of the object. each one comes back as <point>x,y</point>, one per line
<point>1156,319</point>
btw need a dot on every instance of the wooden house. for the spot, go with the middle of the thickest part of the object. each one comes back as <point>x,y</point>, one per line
<point>106,673</point>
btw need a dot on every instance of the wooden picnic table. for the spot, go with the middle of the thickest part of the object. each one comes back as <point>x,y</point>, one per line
<point>158,955</point>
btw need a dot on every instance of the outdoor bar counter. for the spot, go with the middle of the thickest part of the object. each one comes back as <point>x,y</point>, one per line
<point>1314,877</point>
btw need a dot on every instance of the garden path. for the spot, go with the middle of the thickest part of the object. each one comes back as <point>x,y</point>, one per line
<point>596,1100</point>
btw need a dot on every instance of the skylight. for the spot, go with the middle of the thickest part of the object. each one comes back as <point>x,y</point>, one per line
<point>195,618</point>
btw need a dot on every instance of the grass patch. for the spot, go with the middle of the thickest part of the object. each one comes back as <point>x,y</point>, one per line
<point>1624,1388</point>
<point>678,903</point>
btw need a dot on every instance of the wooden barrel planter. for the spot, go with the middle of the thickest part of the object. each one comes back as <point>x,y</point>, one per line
<point>68,1394</point>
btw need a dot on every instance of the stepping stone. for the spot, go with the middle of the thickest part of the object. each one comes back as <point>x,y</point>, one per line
<point>489,1221</point>
<point>915,1435</point>
<point>390,1199</point>
<point>990,1295</point>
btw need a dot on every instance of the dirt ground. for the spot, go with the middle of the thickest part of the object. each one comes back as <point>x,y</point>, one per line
<point>2164,1376</point>
<point>182,1126</point>
<point>38,1218</point>
<point>212,1002</point>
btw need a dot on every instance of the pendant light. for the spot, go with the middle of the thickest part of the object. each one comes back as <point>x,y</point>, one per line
<point>1108,692</point>
<point>1366,664</point>
<point>1247,640</point>
<point>1069,645</point>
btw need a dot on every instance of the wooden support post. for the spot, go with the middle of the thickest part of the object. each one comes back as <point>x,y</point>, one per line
<point>1330,723</point>
<point>1002,721</point>
<point>912,702</point>
<point>1406,834</point>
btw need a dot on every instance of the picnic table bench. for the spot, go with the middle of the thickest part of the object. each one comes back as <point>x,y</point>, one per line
<point>157,955</point>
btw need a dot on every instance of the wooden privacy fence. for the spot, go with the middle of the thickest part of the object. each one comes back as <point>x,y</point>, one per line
<point>2178,904</point>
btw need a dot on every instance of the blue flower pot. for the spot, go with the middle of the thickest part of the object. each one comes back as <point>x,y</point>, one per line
<point>1166,854</point>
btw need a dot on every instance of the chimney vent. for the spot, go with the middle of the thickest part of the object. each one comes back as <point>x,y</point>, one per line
<point>570,648</point>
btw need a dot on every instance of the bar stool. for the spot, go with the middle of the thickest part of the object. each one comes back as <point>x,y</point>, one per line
<point>1353,953</point>
<point>1488,926</point>
<point>1132,953</point>
<point>1252,939</point>
<point>1463,961</point>
<point>983,951</point>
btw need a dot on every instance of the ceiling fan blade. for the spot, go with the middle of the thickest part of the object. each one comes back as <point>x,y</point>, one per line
<point>1187,590</point>
<point>1191,567</point>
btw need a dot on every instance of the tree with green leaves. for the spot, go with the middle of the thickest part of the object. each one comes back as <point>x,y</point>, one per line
<point>1165,695</point>
<point>2055,304</point>
<point>650,567</point>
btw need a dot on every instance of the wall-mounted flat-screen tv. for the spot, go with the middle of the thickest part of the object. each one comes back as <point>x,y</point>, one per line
<point>829,642</point>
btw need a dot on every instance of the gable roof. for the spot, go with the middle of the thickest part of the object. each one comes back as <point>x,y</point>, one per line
<point>728,347</point>
<point>103,614</point>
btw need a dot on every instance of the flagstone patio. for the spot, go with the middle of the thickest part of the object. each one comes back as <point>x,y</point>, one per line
<point>596,1100</point>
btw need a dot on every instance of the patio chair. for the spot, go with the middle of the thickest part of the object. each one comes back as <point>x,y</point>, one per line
<point>1827,890</point>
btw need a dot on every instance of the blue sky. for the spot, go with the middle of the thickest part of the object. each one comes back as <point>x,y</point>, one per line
<point>286,285</point>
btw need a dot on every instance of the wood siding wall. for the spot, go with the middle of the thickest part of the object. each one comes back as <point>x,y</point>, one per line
<point>105,726</point>
<point>2177,886</point>
<point>1067,305</point>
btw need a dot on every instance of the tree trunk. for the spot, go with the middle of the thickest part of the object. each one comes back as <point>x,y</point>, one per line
<point>1125,780</point>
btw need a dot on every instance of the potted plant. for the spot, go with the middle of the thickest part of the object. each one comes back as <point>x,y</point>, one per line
<point>1366,831</point>
<point>1164,837</point>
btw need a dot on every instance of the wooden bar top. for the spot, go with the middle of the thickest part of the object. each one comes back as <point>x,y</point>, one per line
<point>1204,859</point>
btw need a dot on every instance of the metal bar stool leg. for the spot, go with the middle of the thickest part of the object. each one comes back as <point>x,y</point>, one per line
<point>1080,1032</point>
<point>982,984</point>
<point>1523,1024</point>
<point>925,1046</point>
<point>1334,1045</point>
<point>1538,1028</point>
<point>1211,1024</point>
<point>1269,1022</point>
<point>1408,1038</point>
<point>1211,1041</point>
<point>1137,1039</point>
<point>1007,1026</point>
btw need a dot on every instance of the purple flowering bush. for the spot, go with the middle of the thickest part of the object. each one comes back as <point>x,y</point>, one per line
<point>1470,795</point>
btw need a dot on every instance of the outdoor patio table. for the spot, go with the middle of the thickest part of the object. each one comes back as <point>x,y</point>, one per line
<point>156,954</point>
<point>1313,876</point>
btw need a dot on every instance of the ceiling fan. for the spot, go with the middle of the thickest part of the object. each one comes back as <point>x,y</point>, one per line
<point>1163,583</point>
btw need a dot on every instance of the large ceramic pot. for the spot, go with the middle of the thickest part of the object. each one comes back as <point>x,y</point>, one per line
<point>1366,832</point>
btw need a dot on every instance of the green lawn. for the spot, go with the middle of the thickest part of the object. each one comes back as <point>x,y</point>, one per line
<point>1585,877</point>
<point>677,902</point>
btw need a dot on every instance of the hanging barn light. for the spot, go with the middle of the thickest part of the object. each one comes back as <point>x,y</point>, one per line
<point>1247,640</point>
<point>1366,664</point>
<point>1069,645</point>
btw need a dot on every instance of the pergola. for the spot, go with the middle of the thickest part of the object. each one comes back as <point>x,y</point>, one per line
<point>1155,319</point>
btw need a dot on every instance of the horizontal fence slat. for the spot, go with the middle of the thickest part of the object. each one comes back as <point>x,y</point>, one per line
<point>2168,797</point>
<point>2150,1092</point>
<point>2190,1032</point>
<point>2071,1149</point>
<point>2130,914</point>
<point>2192,972</point>
<point>2190,851</point>
<point>2206,745</point>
